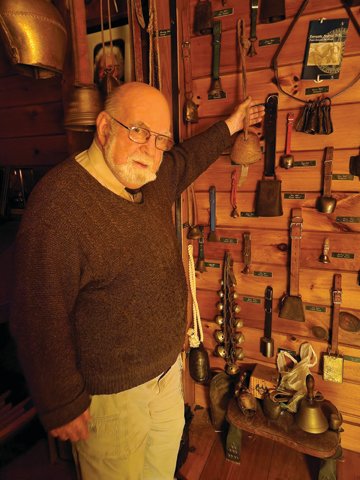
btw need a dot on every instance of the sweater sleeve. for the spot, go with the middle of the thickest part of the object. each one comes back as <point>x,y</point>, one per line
<point>187,160</point>
<point>47,271</point>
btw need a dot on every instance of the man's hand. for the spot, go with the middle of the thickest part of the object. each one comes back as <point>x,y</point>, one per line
<point>75,430</point>
<point>236,120</point>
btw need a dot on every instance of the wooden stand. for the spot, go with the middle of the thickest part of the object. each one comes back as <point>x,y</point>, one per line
<point>283,430</point>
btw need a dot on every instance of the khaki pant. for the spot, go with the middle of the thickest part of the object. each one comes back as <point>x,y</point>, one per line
<point>135,434</point>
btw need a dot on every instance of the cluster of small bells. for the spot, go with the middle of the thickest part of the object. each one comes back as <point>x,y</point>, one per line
<point>228,339</point>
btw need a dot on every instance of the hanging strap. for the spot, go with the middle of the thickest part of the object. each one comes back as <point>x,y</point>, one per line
<point>274,62</point>
<point>243,46</point>
<point>336,300</point>
<point>295,237</point>
<point>329,153</point>
<point>186,52</point>
<point>194,339</point>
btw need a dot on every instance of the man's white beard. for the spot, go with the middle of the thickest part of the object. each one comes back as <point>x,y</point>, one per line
<point>128,173</point>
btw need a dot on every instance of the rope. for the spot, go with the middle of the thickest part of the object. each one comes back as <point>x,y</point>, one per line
<point>154,53</point>
<point>194,339</point>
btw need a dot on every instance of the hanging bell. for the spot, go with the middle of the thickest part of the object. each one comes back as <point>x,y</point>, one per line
<point>220,351</point>
<point>219,336</point>
<point>84,106</point>
<point>219,320</point>
<point>236,308</point>
<point>232,368</point>
<point>237,322</point>
<point>194,232</point>
<point>239,353</point>
<point>220,306</point>
<point>238,338</point>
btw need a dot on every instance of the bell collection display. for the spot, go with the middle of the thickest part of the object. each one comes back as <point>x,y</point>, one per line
<point>259,396</point>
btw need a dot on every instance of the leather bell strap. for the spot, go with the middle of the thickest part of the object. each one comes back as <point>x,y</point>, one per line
<point>242,44</point>
<point>274,61</point>
<point>336,300</point>
<point>216,50</point>
<point>289,127</point>
<point>328,162</point>
<point>271,106</point>
<point>212,198</point>
<point>186,52</point>
<point>268,311</point>
<point>295,237</point>
<point>254,5</point>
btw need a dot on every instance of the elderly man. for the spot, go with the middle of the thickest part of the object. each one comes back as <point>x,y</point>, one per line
<point>99,301</point>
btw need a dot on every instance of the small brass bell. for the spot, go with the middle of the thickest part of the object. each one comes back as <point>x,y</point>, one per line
<point>237,322</point>
<point>232,368</point>
<point>234,295</point>
<point>220,306</point>
<point>219,320</point>
<point>220,351</point>
<point>239,353</point>
<point>238,338</point>
<point>219,336</point>
<point>236,308</point>
<point>221,293</point>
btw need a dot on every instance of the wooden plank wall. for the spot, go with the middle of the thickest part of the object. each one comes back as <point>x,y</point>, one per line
<point>270,234</point>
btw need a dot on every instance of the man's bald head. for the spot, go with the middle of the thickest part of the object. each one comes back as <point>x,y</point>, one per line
<point>135,99</point>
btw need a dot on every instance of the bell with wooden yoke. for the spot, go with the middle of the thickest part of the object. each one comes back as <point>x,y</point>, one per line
<point>34,35</point>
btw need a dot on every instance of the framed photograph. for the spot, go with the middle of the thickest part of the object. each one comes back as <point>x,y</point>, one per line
<point>120,56</point>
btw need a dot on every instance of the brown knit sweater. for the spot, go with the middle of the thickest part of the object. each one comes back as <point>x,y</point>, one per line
<point>99,299</point>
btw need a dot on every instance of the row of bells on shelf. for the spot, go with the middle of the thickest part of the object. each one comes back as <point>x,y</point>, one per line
<point>236,339</point>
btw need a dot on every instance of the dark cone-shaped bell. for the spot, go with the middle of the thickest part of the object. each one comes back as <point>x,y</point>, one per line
<point>84,106</point>
<point>199,365</point>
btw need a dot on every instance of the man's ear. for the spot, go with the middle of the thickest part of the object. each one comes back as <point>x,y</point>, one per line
<point>103,128</point>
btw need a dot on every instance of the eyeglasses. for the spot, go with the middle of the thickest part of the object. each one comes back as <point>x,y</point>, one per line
<point>142,135</point>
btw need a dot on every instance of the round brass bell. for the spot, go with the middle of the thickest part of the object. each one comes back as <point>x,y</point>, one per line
<point>236,308</point>
<point>238,338</point>
<point>84,106</point>
<point>219,336</point>
<point>239,353</point>
<point>232,368</point>
<point>219,320</point>
<point>220,293</point>
<point>220,306</point>
<point>220,351</point>
<point>237,322</point>
<point>234,295</point>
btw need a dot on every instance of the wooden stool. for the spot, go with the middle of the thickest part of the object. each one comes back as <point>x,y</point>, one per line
<point>283,430</point>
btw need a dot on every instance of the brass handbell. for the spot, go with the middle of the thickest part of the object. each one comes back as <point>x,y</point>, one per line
<point>310,416</point>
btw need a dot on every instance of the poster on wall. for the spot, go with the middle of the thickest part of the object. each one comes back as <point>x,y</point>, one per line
<point>325,49</point>
<point>114,51</point>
